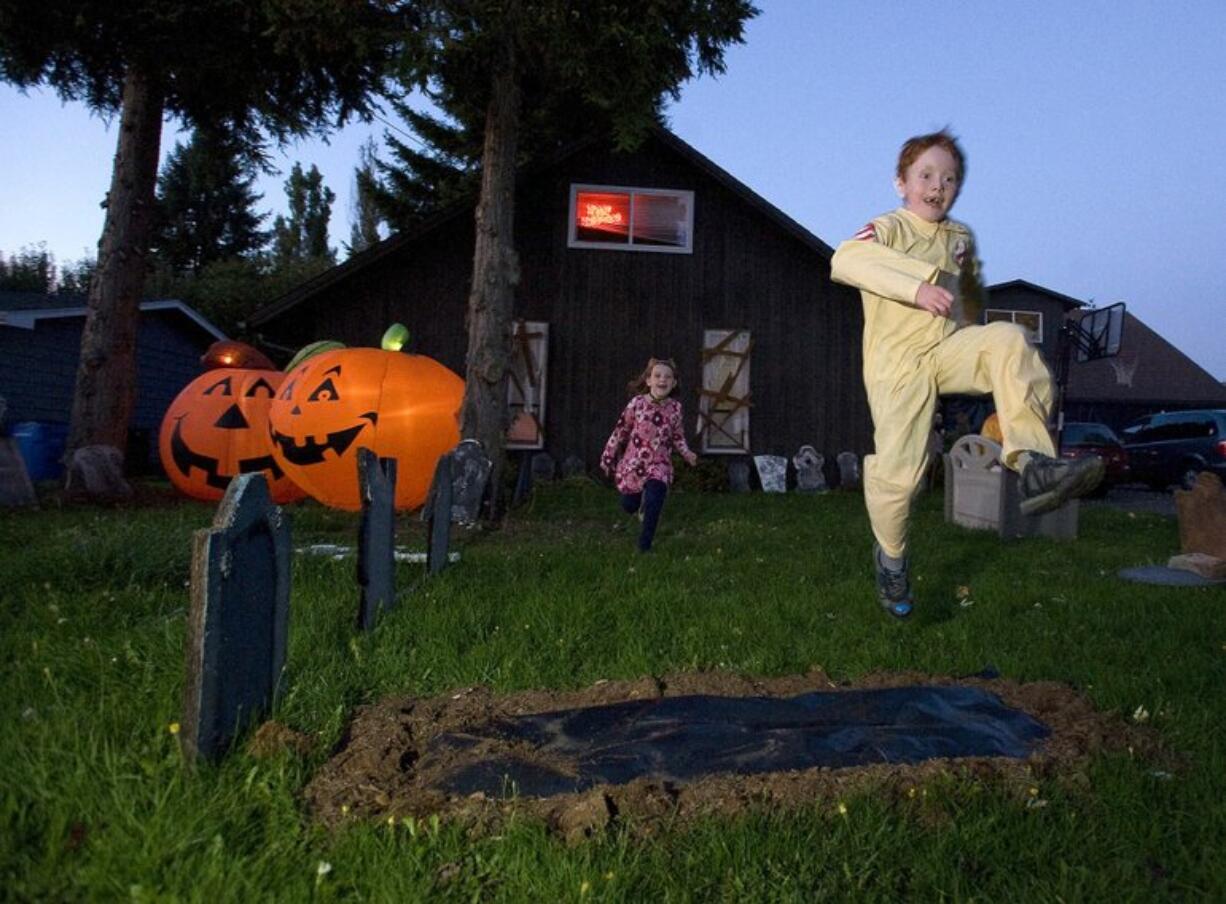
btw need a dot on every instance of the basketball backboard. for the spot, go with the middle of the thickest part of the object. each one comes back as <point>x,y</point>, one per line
<point>1100,332</point>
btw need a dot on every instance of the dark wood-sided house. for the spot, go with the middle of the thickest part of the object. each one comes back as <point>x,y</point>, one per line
<point>40,347</point>
<point>625,256</point>
<point>1149,374</point>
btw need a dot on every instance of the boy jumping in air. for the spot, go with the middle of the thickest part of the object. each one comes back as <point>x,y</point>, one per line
<point>917,346</point>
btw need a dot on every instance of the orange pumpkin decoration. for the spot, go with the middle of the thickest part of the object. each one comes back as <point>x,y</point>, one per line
<point>991,429</point>
<point>217,428</point>
<point>398,405</point>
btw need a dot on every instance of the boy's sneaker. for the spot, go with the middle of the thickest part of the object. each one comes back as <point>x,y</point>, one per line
<point>1048,483</point>
<point>893,588</point>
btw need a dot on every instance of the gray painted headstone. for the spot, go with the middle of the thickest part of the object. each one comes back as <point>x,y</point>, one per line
<point>738,476</point>
<point>849,470</point>
<point>809,475</point>
<point>239,619</point>
<point>572,466</point>
<point>772,472</point>
<point>437,515</point>
<point>97,473</point>
<point>470,472</point>
<point>376,537</point>
<point>15,486</point>
<point>543,466</point>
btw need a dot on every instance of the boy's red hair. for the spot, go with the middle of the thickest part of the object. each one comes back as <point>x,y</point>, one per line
<point>913,147</point>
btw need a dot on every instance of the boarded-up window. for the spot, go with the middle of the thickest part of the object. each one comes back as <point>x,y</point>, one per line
<point>526,386</point>
<point>723,419</point>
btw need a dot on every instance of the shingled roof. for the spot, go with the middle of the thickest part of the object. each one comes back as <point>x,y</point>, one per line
<point>1148,369</point>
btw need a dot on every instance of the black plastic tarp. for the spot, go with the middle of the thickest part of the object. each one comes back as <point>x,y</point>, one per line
<point>680,739</point>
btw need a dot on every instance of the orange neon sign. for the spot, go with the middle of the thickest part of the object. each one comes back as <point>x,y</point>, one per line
<point>596,215</point>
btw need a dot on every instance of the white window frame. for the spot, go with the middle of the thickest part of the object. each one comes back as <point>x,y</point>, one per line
<point>688,196</point>
<point>1036,337</point>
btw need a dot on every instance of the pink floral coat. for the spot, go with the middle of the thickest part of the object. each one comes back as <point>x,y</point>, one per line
<point>648,432</point>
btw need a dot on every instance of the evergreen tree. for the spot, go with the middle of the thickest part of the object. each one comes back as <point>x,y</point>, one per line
<point>364,215</point>
<point>246,69</point>
<point>304,235</point>
<point>205,205</point>
<point>32,269</point>
<point>74,278</point>
<point>510,63</point>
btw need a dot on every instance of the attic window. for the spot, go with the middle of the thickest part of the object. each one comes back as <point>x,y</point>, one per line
<point>1031,320</point>
<point>631,219</point>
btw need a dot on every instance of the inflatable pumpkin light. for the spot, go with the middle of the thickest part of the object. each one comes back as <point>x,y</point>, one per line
<point>217,428</point>
<point>398,405</point>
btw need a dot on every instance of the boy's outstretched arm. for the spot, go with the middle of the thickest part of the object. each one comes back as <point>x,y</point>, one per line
<point>888,273</point>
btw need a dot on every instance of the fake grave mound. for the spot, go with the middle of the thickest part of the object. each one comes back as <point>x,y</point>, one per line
<point>787,743</point>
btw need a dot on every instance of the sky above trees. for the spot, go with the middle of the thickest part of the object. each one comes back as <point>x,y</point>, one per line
<point>1093,133</point>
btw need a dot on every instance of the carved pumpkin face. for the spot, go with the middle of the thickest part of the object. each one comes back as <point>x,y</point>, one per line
<point>217,428</point>
<point>397,405</point>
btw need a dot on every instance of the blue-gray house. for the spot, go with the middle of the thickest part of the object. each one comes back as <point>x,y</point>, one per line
<point>40,345</point>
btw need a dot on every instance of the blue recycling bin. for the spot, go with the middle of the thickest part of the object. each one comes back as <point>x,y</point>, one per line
<point>41,445</point>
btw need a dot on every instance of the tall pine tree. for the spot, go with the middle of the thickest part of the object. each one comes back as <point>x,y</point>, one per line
<point>364,215</point>
<point>303,235</point>
<point>245,68</point>
<point>205,205</point>
<point>503,63</point>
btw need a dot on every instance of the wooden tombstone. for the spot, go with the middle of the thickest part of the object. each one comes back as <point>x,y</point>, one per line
<point>376,537</point>
<point>239,619</point>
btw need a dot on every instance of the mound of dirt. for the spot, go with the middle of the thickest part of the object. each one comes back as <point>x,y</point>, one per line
<point>395,753</point>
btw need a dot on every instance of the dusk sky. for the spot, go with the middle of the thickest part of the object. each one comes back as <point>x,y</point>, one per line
<point>1095,135</point>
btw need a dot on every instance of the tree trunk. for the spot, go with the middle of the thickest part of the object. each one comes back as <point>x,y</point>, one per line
<point>495,274</point>
<point>105,390</point>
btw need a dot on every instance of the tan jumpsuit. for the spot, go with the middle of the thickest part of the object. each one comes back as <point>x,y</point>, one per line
<point>911,357</point>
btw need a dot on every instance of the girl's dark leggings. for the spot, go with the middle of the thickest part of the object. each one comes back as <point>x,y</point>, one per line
<point>652,502</point>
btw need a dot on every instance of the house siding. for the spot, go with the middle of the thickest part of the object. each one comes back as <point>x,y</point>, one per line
<point>609,311</point>
<point>38,370</point>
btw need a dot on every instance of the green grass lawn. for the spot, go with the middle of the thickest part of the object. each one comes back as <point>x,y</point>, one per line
<point>96,804</point>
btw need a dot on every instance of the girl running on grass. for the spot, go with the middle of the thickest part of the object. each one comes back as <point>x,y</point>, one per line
<point>639,452</point>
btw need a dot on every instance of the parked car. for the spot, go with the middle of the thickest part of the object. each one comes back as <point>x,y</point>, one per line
<point>1175,446</point>
<point>1082,438</point>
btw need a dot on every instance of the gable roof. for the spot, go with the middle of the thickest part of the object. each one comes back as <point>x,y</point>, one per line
<point>1148,369</point>
<point>1024,285</point>
<point>23,310</point>
<point>390,245</point>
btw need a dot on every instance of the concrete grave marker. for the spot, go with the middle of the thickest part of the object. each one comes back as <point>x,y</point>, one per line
<point>849,470</point>
<point>572,466</point>
<point>810,477</point>
<point>738,475</point>
<point>15,486</point>
<point>772,472</point>
<point>376,537</point>
<point>470,472</point>
<point>1202,516</point>
<point>96,472</point>
<point>239,619</point>
<point>543,466</point>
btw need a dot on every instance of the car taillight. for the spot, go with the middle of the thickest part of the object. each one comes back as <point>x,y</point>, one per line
<point>1221,448</point>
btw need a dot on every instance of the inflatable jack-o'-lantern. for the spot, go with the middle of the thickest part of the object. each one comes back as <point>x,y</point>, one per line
<point>217,428</point>
<point>398,405</point>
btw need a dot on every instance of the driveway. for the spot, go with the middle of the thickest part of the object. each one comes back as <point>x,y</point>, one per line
<point>1137,497</point>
